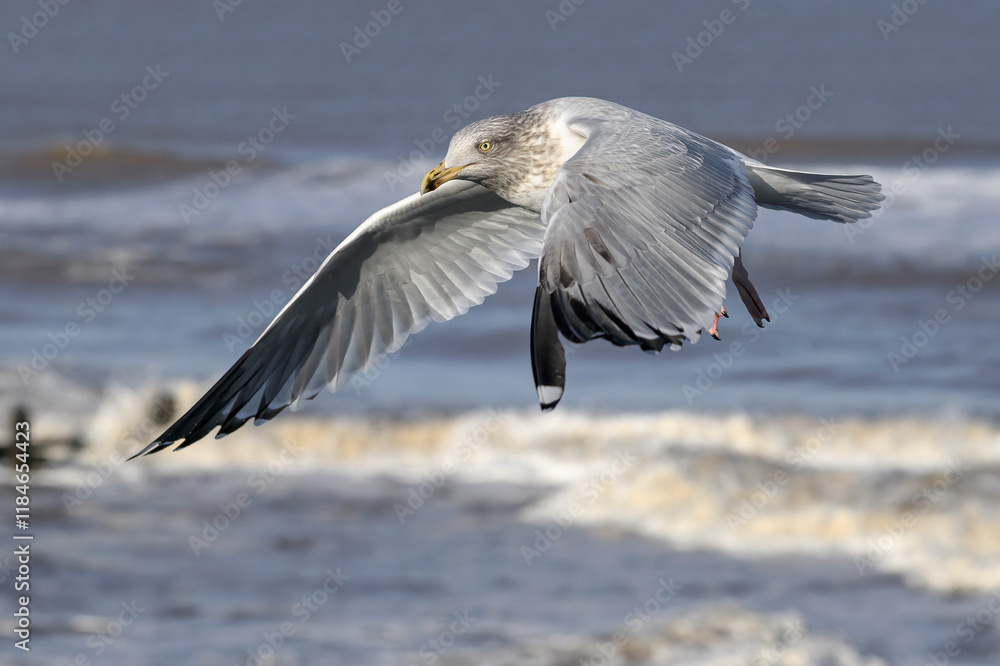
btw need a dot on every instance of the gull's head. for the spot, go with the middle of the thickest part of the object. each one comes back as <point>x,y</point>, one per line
<point>508,154</point>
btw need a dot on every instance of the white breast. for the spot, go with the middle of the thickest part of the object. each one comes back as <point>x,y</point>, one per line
<point>568,141</point>
<point>560,144</point>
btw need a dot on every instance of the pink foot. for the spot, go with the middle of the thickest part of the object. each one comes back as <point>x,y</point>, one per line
<point>714,330</point>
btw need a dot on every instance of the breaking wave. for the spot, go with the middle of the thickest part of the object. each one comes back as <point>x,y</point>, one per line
<point>906,494</point>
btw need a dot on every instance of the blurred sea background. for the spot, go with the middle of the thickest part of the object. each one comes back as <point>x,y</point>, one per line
<point>825,490</point>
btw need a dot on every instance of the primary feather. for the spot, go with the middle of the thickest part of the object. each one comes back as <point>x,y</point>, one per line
<point>637,224</point>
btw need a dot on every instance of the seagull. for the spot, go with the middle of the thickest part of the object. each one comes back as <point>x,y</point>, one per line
<point>636,224</point>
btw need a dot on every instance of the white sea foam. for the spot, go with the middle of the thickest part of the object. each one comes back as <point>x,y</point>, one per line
<point>719,635</point>
<point>904,494</point>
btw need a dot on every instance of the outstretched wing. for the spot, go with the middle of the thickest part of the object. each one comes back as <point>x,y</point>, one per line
<point>642,225</point>
<point>426,258</point>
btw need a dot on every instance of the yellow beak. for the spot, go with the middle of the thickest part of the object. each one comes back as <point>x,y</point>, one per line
<point>437,176</point>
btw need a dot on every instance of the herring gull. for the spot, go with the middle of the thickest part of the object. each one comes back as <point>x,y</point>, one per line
<point>636,223</point>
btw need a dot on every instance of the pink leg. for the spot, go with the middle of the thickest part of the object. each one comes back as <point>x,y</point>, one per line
<point>714,330</point>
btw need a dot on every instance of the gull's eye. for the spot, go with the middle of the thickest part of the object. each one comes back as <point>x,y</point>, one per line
<point>485,146</point>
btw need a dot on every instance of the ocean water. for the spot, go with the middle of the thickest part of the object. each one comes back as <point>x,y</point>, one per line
<point>825,490</point>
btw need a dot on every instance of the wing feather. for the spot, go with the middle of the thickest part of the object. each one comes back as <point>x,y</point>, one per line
<point>642,225</point>
<point>426,258</point>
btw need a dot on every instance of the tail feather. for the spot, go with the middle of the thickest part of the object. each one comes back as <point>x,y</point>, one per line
<point>816,195</point>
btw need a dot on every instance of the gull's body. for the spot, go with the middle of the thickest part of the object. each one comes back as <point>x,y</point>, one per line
<point>637,224</point>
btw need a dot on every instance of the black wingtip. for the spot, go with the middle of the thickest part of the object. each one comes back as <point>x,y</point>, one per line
<point>167,439</point>
<point>230,425</point>
<point>268,413</point>
<point>150,449</point>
